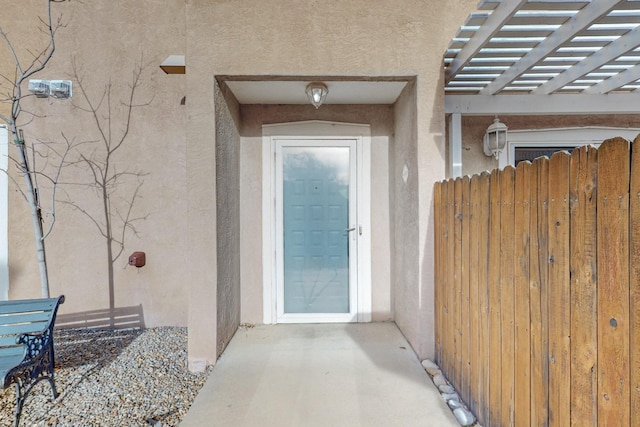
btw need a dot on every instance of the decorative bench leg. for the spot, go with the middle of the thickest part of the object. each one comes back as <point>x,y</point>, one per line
<point>21,395</point>
<point>54,392</point>
<point>19,402</point>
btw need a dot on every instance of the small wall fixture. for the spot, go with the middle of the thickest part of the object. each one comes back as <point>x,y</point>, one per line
<point>60,89</point>
<point>317,93</point>
<point>174,64</point>
<point>495,138</point>
<point>138,259</point>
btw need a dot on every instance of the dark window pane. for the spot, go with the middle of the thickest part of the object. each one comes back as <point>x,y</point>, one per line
<point>532,153</point>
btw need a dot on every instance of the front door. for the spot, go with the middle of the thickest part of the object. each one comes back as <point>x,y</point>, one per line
<point>316,230</point>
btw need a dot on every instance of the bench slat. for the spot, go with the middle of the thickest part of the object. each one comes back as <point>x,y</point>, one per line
<point>26,328</point>
<point>9,355</point>
<point>9,361</point>
<point>35,316</point>
<point>8,341</point>
<point>18,306</point>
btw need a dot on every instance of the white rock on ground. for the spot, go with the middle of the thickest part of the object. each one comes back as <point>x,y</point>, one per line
<point>448,393</point>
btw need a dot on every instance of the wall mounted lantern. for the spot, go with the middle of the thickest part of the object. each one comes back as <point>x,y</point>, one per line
<point>495,138</point>
<point>317,93</point>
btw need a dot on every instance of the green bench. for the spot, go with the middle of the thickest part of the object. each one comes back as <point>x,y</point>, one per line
<point>26,345</point>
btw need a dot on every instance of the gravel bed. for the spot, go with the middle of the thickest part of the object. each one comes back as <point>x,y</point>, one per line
<point>135,377</point>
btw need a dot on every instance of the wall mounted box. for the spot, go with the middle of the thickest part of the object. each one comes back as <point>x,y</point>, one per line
<point>137,259</point>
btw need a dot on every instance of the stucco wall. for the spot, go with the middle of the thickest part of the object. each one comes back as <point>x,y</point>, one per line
<point>93,39</point>
<point>404,192</point>
<point>228,209</point>
<point>20,21</point>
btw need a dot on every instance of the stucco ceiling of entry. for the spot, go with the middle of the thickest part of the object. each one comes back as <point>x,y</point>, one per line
<point>547,48</point>
<point>293,92</point>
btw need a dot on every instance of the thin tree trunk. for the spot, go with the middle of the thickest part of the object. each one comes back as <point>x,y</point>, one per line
<point>35,212</point>
<point>112,302</point>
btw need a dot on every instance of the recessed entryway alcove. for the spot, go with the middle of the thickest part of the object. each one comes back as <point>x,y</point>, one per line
<point>383,112</point>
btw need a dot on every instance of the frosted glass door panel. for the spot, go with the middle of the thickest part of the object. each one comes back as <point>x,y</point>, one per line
<point>315,225</point>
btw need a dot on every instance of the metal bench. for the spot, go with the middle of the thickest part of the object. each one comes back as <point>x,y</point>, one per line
<point>26,345</point>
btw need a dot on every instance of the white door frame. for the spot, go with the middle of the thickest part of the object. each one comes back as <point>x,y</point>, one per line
<point>316,130</point>
<point>564,137</point>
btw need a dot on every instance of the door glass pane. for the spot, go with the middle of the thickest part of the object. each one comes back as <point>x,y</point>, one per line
<point>316,217</point>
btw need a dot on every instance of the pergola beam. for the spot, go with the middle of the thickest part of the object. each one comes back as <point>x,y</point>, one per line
<point>614,82</point>
<point>490,105</point>
<point>492,25</point>
<point>582,20</point>
<point>624,44</point>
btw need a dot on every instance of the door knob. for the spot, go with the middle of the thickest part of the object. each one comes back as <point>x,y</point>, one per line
<point>348,230</point>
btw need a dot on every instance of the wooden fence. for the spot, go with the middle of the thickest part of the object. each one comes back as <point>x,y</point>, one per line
<point>538,289</point>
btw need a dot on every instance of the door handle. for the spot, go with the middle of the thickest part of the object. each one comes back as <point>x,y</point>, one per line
<point>348,230</point>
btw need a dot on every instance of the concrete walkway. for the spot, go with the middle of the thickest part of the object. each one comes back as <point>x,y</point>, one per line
<point>319,375</point>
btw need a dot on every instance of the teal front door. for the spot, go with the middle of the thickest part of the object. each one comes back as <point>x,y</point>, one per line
<point>316,230</point>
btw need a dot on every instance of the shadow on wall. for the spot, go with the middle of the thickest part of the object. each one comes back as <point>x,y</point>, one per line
<point>108,318</point>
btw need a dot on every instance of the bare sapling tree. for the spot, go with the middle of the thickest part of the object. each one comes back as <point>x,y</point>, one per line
<point>35,62</point>
<point>117,189</point>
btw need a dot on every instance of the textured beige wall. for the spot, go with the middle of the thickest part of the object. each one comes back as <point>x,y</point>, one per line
<point>20,21</point>
<point>406,284</point>
<point>106,40</point>
<point>228,211</point>
<point>23,29</point>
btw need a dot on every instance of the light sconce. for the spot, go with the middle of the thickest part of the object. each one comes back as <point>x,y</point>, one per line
<point>495,138</point>
<point>60,89</point>
<point>317,93</point>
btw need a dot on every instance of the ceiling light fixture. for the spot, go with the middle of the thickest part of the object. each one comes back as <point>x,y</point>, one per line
<point>317,93</point>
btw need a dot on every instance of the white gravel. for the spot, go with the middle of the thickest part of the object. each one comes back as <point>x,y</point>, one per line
<point>113,378</point>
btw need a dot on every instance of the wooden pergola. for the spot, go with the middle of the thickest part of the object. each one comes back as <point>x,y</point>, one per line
<point>533,57</point>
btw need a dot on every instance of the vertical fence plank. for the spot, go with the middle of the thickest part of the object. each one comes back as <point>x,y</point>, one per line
<point>474,352</point>
<point>457,286</point>
<point>584,337</point>
<point>507,279</point>
<point>438,246</point>
<point>447,338</point>
<point>538,294</point>
<point>483,299</point>
<point>634,277</point>
<point>495,345</point>
<point>613,283</point>
<point>464,294</point>
<point>521,298</point>
<point>559,292</point>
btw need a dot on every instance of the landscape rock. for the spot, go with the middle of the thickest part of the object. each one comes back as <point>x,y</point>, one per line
<point>446,389</point>
<point>464,417</point>
<point>426,364</point>
<point>439,380</point>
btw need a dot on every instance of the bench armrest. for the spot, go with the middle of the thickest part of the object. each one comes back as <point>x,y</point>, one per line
<point>35,343</point>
